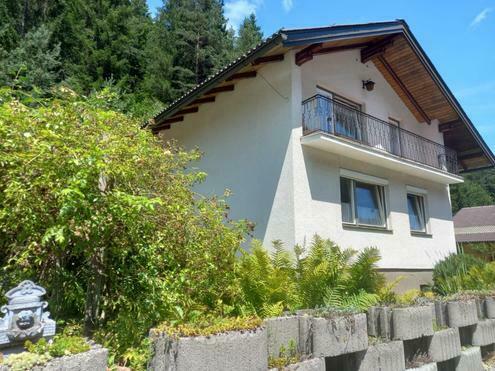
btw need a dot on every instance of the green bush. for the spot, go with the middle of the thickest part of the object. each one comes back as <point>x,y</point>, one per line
<point>325,275</point>
<point>103,215</point>
<point>451,274</point>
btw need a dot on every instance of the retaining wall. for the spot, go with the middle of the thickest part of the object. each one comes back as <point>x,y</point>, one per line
<point>427,337</point>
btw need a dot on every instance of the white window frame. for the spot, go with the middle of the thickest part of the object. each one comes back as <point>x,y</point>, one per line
<point>354,177</point>
<point>419,192</point>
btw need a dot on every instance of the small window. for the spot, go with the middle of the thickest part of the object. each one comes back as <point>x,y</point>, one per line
<point>362,203</point>
<point>416,210</point>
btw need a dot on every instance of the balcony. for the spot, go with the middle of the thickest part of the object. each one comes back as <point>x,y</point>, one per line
<point>339,128</point>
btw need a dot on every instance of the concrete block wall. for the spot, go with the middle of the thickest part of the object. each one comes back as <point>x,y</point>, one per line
<point>401,337</point>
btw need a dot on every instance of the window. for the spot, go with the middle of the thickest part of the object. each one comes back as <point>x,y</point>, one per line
<point>416,210</point>
<point>362,203</point>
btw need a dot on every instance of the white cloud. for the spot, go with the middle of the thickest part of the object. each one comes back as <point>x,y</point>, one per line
<point>237,10</point>
<point>287,4</point>
<point>480,17</point>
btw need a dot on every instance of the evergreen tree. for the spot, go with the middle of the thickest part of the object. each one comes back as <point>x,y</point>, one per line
<point>193,34</point>
<point>249,35</point>
<point>33,64</point>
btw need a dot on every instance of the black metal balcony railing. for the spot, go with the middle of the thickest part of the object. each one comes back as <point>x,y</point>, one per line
<point>321,113</point>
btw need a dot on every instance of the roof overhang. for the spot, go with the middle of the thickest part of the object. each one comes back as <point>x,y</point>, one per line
<point>390,46</point>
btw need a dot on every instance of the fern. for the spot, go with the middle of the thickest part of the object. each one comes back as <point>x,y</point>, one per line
<point>322,275</point>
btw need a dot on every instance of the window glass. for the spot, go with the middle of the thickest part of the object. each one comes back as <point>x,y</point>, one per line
<point>346,200</point>
<point>362,203</point>
<point>416,210</point>
<point>369,204</point>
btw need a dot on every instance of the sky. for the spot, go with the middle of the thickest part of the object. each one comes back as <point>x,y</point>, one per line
<point>457,35</point>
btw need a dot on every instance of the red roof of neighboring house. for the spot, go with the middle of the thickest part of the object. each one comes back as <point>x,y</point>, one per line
<point>475,224</point>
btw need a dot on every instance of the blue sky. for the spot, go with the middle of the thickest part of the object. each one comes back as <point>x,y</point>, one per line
<point>458,36</point>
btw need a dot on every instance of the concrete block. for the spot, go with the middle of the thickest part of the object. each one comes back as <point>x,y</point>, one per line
<point>427,367</point>
<point>462,313</point>
<point>314,364</point>
<point>339,335</point>
<point>470,360</point>
<point>480,308</point>
<point>484,333</point>
<point>280,331</point>
<point>383,357</point>
<point>441,313</point>
<point>247,350</point>
<point>490,307</point>
<point>445,345</point>
<point>412,322</point>
<point>380,322</point>
<point>305,335</point>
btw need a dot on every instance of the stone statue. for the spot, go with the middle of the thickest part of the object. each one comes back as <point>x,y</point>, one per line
<point>25,317</point>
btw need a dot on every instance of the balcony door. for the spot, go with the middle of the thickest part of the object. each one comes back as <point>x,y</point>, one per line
<point>344,118</point>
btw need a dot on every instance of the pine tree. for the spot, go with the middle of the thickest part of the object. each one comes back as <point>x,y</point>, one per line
<point>193,34</point>
<point>249,35</point>
<point>33,64</point>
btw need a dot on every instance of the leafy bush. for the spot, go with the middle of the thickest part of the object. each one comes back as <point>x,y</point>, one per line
<point>451,274</point>
<point>325,275</point>
<point>103,215</point>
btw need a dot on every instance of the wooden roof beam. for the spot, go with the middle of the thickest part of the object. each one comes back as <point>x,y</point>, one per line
<point>377,48</point>
<point>401,85</point>
<point>268,59</point>
<point>307,54</point>
<point>448,126</point>
<point>220,89</point>
<point>185,111</point>
<point>202,100</point>
<point>242,75</point>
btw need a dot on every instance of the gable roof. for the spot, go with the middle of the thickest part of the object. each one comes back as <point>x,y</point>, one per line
<point>387,45</point>
<point>475,224</point>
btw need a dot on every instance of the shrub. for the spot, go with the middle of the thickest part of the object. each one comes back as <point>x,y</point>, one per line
<point>325,275</point>
<point>62,345</point>
<point>103,215</point>
<point>450,274</point>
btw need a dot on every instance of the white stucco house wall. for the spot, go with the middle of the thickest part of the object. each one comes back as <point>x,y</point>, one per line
<point>307,147</point>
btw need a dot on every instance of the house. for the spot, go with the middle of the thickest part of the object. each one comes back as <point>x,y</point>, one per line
<point>346,131</point>
<point>475,231</point>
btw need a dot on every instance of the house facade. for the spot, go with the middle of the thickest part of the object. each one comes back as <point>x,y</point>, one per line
<point>346,131</point>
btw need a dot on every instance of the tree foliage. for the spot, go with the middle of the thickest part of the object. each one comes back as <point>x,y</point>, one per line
<point>103,215</point>
<point>97,41</point>
<point>249,35</point>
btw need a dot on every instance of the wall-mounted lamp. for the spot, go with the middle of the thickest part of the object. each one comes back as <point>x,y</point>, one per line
<point>369,85</point>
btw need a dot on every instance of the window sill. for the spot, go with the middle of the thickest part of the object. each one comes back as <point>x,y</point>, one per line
<point>368,228</point>
<point>421,234</point>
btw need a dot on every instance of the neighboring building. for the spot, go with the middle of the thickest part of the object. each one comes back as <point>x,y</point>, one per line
<point>344,131</point>
<point>475,231</point>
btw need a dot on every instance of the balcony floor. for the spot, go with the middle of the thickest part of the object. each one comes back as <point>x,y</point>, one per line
<point>356,151</point>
